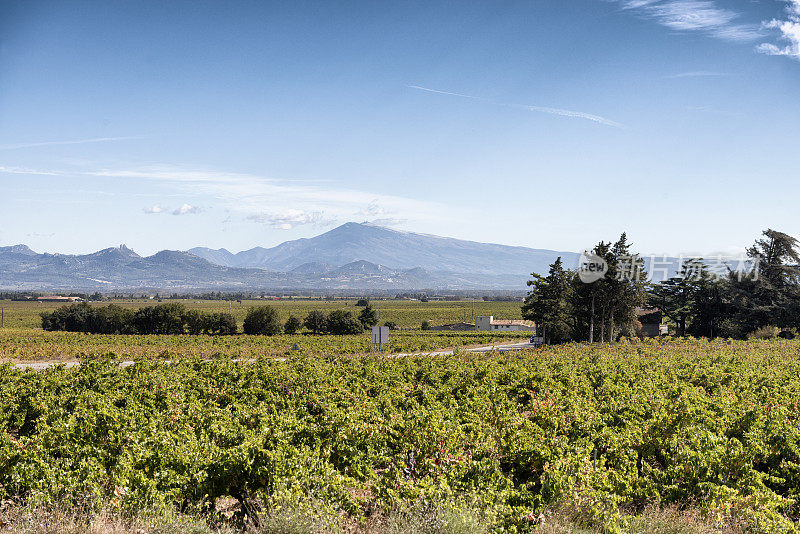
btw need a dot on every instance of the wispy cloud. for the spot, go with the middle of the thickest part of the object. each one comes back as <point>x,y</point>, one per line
<point>788,32</point>
<point>289,219</point>
<point>697,74</point>
<point>696,15</point>
<point>261,198</point>
<point>379,215</point>
<point>73,142</point>
<point>540,109</point>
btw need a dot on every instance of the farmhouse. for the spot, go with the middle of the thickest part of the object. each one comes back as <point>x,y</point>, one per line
<point>454,327</point>
<point>486,323</point>
<point>651,320</point>
<point>59,298</point>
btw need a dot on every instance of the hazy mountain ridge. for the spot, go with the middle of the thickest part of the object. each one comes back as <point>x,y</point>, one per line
<point>352,256</point>
<point>399,250</point>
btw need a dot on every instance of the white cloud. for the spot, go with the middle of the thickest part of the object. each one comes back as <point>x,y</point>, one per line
<point>789,32</point>
<point>154,209</point>
<point>186,209</point>
<point>541,109</point>
<point>695,15</point>
<point>289,219</point>
<point>74,142</point>
<point>373,209</point>
<point>248,194</point>
<point>379,215</point>
<point>388,221</point>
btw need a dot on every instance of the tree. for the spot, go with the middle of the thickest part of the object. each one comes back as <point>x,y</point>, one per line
<point>676,296</point>
<point>342,322</point>
<point>196,322</point>
<point>316,321</point>
<point>292,325</point>
<point>548,303</point>
<point>391,325</point>
<point>262,320</point>
<point>777,258</point>
<point>362,302</point>
<point>624,288</point>
<point>426,325</point>
<point>368,316</point>
<point>222,324</point>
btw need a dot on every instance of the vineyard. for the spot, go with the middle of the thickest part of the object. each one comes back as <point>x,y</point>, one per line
<point>405,313</point>
<point>603,431</point>
<point>23,345</point>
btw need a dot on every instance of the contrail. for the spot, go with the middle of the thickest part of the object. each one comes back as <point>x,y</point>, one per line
<point>75,142</point>
<point>540,109</point>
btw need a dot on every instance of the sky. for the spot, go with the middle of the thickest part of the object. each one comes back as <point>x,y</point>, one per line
<point>548,124</point>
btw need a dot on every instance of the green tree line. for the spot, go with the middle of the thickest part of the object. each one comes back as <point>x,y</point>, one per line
<point>760,298</point>
<point>175,318</point>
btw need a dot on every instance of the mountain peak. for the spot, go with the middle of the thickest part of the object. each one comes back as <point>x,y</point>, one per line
<point>18,249</point>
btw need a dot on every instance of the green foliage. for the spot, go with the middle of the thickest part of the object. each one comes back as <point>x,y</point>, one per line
<point>601,428</point>
<point>391,325</point>
<point>342,323</point>
<point>426,325</point>
<point>292,325</point>
<point>316,321</point>
<point>567,309</point>
<point>765,332</point>
<point>262,320</point>
<point>163,319</point>
<point>741,303</point>
<point>368,316</point>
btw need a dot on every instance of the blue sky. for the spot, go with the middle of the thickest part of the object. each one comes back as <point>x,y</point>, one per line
<point>547,124</point>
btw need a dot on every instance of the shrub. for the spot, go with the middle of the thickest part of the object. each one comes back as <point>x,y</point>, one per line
<point>426,325</point>
<point>341,322</point>
<point>765,332</point>
<point>316,321</point>
<point>368,316</point>
<point>292,325</point>
<point>262,320</point>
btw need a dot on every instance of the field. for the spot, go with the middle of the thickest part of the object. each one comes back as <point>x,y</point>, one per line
<point>407,314</point>
<point>597,434</point>
<point>26,345</point>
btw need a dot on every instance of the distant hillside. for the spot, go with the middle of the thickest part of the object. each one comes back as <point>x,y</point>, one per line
<point>400,250</point>
<point>352,256</point>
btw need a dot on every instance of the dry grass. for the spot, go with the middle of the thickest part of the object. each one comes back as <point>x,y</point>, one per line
<point>653,520</point>
<point>284,518</point>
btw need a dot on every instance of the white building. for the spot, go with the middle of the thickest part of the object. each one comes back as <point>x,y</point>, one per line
<point>487,323</point>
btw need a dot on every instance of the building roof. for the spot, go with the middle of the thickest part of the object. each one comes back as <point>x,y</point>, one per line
<point>513,322</point>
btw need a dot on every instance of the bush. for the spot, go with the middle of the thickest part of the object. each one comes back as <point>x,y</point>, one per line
<point>426,325</point>
<point>292,325</point>
<point>391,325</point>
<point>368,316</point>
<point>316,321</point>
<point>341,322</point>
<point>262,320</point>
<point>765,332</point>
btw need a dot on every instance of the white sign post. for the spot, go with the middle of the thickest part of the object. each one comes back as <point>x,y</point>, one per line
<point>380,335</point>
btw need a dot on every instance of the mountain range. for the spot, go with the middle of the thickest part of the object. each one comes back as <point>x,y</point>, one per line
<point>352,256</point>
